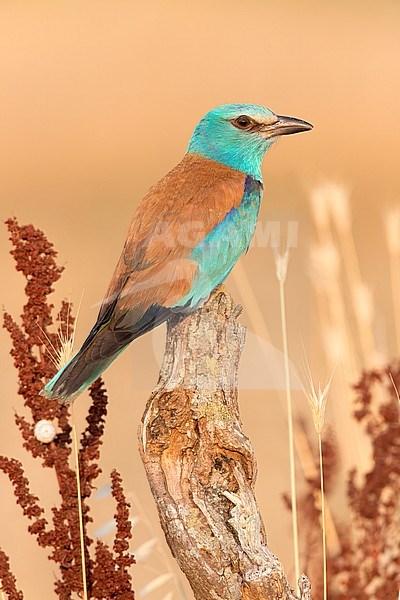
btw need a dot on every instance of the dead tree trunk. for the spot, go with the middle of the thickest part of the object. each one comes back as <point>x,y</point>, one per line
<point>201,466</point>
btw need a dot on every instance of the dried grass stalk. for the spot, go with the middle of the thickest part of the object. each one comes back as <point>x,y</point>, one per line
<point>317,402</point>
<point>281,263</point>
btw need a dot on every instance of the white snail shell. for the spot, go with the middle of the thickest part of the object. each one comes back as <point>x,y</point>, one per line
<point>45,431</point>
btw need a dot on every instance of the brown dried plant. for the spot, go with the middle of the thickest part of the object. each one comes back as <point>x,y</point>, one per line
<point>33,341</point>
<point>367,562</point>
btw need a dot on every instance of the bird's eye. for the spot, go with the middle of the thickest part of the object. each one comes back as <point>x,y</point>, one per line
<point>243,122</point>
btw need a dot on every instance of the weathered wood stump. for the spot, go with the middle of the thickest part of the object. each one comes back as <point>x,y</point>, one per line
<point>201,466</point>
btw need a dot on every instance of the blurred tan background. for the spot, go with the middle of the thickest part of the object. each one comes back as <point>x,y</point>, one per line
<point>98,101</point>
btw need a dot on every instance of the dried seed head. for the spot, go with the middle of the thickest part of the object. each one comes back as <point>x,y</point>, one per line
<point>61,353</point>
<point>317,398</point>
<point>281,264</point>
<point>338,197</point>
<point>319,207</point>
<point>365,302</point>
<point>325,261</point>
<point>392,229</point>
<point>65,352</point>
<point>334,343</point>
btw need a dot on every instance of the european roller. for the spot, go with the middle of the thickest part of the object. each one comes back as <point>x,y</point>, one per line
<point>185,237</point>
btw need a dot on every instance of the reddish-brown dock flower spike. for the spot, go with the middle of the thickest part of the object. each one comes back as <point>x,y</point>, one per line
<point>47,435</point>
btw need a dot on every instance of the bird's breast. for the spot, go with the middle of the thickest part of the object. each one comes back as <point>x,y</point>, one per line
<point>221,248</point>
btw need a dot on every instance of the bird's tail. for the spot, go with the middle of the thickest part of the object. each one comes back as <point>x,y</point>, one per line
<point>99,350</point>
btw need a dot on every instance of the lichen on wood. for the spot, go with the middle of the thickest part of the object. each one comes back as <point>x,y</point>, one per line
<point>201,466</point>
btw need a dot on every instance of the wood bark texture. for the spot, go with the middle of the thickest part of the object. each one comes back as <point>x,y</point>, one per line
<point>200,465</point>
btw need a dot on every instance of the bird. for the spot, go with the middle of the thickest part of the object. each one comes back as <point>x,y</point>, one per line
<point>184,239</point>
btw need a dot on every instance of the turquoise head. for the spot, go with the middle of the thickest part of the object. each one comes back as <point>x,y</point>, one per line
<point>238,135</point>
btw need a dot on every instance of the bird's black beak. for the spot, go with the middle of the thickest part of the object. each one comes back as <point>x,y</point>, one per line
<point>285,126</point>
